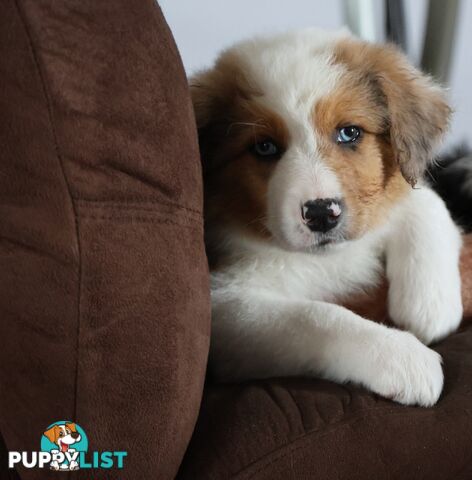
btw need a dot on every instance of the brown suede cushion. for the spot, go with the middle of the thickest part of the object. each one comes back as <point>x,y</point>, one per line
<point>104,308</point>
<point>290,429</point>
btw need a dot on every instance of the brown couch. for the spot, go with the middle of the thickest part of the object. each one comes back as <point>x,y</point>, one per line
<point>104,299</point>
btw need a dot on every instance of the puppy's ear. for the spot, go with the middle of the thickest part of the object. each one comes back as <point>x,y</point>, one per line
<point>215,89</point>
<point>214,94</point>
<point>418,113</point>
<point>211,97</point>
<point>71,426</point>
<point>206,97</point>
<point>52,434</point>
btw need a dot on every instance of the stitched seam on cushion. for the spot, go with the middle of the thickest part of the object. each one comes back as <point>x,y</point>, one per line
<point>119,208</point>
<point>137,202</point>
<point>290,447</point>
<point>141,220</point>
<point>47,98</point>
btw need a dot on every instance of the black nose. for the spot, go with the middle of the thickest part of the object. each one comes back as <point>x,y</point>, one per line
<point>322,215</point>
<point>74,435</point>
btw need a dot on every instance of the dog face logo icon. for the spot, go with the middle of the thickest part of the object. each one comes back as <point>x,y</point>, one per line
<point>64,440</point>
<point>64,447</point>
<point>63,435</point>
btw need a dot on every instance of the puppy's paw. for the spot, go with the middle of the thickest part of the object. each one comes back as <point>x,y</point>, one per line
<point>431,314</point>
<point>406,371</point>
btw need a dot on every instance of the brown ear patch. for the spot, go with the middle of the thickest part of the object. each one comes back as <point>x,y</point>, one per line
<point>368,172</point>
<point>212,91</point>
<point>235,179</point>
<point>230,120</point>
<point>52,433</point>
<point>418,113</point>
<point>215,94</point>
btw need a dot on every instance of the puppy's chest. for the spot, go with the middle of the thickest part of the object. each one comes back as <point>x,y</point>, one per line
<point>329,277</point>
<point>337,277</point>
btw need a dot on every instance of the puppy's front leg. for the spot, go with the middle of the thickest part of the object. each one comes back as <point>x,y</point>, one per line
<point>265,335</point>
<point>423,268</point>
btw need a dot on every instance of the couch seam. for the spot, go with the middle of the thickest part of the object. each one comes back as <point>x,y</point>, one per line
<point>141,220</point>
<point>136,203</point>
<point>47,98</point>
<point>116,208</point>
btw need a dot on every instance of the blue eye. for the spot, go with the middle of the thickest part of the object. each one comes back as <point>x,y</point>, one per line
<point>348,135</point>
<point>265,148</point>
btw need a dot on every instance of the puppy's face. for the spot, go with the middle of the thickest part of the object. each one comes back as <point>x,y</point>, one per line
<point>311,138</point>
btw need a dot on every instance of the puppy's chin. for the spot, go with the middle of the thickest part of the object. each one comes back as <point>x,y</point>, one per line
<point>303,240</point>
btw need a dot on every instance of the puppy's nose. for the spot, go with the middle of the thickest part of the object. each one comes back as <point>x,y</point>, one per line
<point>321,215</point>
<point>74,435</point>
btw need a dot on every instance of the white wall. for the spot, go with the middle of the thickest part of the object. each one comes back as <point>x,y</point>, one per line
<point>460,83</point>
<point>202,28</point>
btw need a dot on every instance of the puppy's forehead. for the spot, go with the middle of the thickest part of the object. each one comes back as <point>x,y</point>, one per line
<point>292,71</point>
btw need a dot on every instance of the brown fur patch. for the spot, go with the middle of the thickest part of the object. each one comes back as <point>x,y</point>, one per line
<point>418,113</point>
<point>230,121</point>
<point>371,180</point>
<point>235,179</point>
<point>371,304</point>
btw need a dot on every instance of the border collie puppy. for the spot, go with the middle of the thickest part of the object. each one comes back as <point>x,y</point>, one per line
<point>314,145</point>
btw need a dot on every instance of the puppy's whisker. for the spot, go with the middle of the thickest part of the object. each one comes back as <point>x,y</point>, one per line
<point>254,125</point>
<point>255,220</point>
<point>430,175</point>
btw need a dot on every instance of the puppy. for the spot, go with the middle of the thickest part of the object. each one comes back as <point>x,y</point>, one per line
<point>314,145</point>
<point>63,436</point>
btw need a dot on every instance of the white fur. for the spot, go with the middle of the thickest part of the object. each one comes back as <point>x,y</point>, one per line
<point>423,268</point>
<point>272,310</point>
<point>272,316</point>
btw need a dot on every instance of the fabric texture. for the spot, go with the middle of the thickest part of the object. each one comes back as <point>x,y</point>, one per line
<point>104,298</point>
